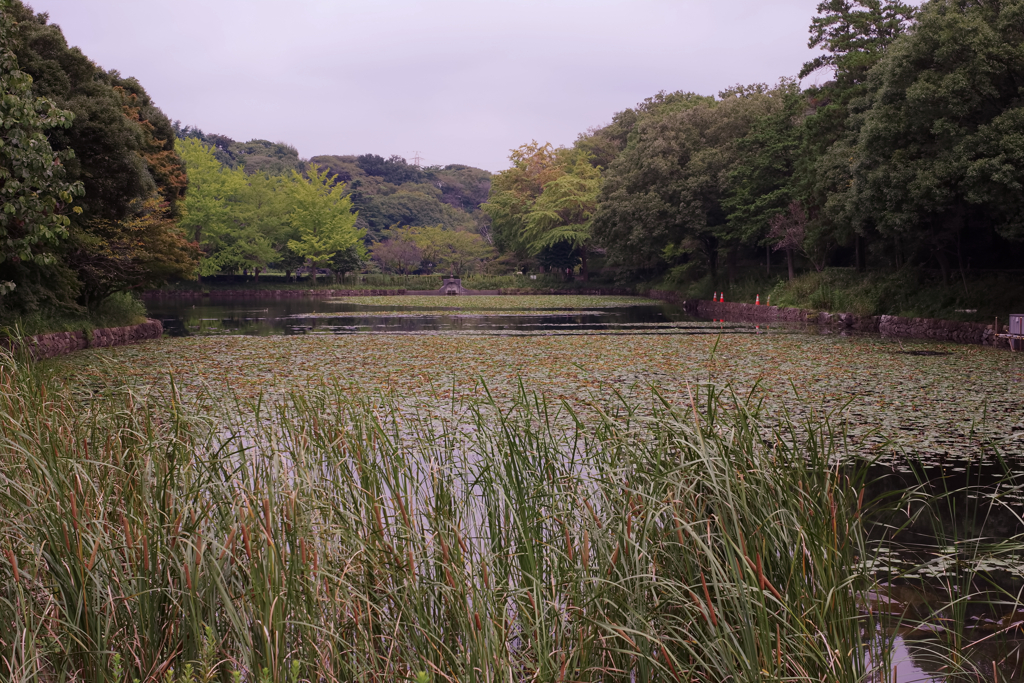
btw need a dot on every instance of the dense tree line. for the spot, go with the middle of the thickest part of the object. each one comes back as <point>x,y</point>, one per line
<point>106,202</point>
<point>910,154</point>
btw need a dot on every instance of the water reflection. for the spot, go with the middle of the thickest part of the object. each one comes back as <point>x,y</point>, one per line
<point>311,316</point>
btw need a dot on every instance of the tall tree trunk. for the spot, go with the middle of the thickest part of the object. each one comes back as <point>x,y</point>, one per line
<point>256,272</point>
<point>960,262</point>
<point>583,264</point>
<point>940,256</point>
<point>712,247</point>
<point>768,259</point>
<point>789,262</point>
<point>733,254</point>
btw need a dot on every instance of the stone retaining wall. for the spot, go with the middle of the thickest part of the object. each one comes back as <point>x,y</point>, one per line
<point>886,325</point>
<point>276,293</point>
<point>53,344</point>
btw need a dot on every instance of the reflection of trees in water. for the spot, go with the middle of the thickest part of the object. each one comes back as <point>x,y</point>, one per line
<point>295,316</point>
<point>930,655</point>
<point>953,571</point>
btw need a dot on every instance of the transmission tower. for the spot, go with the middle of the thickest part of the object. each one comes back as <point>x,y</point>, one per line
<point>416,158</point>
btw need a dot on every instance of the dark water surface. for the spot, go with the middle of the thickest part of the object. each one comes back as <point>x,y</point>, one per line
<point>263,317</point>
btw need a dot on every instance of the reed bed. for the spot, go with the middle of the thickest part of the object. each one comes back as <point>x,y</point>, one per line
<point>333,539</point>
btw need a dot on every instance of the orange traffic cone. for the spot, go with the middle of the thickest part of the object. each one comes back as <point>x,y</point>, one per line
<point>723,298</point>
<point>757,301</point>
<point>714,297</point>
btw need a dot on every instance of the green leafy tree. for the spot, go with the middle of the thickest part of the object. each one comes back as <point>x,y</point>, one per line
<point>854,35</point>
<point>762,183</point>
<point>940,156</point>
<point>323,217</point>
<point>453,252</point>
<point>260,229</point>
<point>513,192</point>
<point>34,192</point>
<point>662,201</point>
<point>564,211</point>
<point>206,214</point>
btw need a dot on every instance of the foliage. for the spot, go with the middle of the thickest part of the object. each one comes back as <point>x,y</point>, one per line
<point>452,252</point>
<point>397,255</point>
<point>909,155</point>
<point>34,193</point>
<point>321,213</point>
<point>940,148</point>
<point>543,206</point>
<point>114,144</point>
<point>206,211</point>
<point>140,252</point>
<point>663,197</point>
<point>854,34</point>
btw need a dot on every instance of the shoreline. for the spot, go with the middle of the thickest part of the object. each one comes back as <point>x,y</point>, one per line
<point>52,344</point>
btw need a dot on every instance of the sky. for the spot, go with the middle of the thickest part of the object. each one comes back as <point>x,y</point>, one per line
<point>449,81</point>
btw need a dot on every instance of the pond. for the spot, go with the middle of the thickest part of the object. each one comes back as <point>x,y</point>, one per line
<point>943,419</point>
<point>422,314</point>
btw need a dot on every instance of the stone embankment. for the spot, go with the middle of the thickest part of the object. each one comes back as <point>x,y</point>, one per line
<point>43,346</point>
<point>886,325</point>
<point>274,293</point>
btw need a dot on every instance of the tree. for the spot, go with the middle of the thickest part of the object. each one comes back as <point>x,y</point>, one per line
<point>349,260</point>
<point>662,202</point>
<point>322,215</point>
<point>34,192</point>
<point>142,251</point>
<point>787,232</point>
<point>206,215</point>
<point>513,192</point>
<point>762,183</point>
<point>854,35</point>
<point>397,255</point>
<point>564,212</point>
<point>940,156</point>
<point>450,251</point>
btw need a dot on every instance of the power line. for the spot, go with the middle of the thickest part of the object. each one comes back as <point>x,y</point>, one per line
<point>416,158</point>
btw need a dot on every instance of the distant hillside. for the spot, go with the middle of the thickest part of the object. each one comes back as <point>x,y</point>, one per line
<point>386,191</point>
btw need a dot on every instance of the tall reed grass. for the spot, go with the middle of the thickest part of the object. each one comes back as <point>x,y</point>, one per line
<point>329,539</point>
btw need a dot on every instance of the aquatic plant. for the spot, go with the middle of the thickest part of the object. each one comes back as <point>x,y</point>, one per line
<point>341,539</point>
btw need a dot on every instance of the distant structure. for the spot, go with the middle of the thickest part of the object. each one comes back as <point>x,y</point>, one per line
<point>452,286</point>
<point>416,158</point>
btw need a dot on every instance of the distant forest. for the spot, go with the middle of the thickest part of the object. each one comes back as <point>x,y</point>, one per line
<point>385,191</point>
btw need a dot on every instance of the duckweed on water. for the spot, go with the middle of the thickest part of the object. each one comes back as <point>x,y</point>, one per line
<point>931,406</point>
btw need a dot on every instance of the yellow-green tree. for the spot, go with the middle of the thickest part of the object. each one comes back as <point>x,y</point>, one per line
<point>323,217</point>
<point>453,252</point>
<point>545,201</point>
<point>206,212</point>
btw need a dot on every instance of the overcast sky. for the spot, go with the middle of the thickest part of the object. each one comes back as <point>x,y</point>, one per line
<point>459,81</point>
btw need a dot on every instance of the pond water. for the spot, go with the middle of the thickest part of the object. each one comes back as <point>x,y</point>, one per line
<point>958,409</point>
<point>419,314</point>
